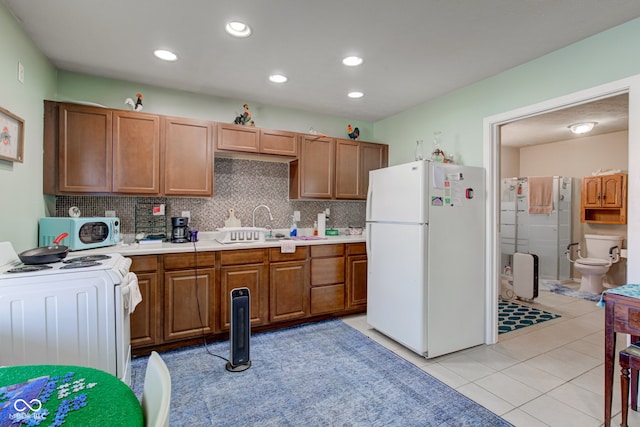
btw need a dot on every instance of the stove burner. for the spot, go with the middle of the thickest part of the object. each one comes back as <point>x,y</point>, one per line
<point>97,257</point>
<point>79,264</point>
<point>29,268</point>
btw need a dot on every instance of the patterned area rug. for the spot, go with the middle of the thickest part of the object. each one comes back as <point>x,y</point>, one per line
<point>560,289</point>
<point>512,316</point>
<point>318,374</point>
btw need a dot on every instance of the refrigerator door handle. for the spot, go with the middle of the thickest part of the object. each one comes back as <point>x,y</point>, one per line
<point>367,242</point>
<point>369,200</point>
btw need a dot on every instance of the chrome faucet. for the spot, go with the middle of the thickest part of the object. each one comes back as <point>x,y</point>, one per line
<point>254,213</point>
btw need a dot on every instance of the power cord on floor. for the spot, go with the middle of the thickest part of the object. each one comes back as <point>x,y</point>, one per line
<point>204,336</point>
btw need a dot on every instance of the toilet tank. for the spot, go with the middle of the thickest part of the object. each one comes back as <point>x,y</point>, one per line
<point>598,245</point>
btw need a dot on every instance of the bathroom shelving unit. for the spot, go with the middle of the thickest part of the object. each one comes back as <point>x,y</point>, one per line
<point>603,199</point>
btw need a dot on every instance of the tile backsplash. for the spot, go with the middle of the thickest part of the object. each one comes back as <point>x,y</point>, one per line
<point>239,184</point>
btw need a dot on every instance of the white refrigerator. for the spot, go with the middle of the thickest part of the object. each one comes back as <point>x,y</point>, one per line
<point>426,255</point>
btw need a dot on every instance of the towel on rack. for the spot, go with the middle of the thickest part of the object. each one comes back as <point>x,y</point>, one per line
<point>540,194</point>
<point>287,246</point>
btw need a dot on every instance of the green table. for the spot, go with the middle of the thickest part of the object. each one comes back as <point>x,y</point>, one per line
<point>55,395</point>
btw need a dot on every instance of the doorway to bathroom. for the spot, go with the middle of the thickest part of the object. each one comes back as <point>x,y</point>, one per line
<point>499,162</point>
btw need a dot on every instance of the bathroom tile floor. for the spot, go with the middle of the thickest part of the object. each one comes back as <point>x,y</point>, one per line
<point>549,374</point>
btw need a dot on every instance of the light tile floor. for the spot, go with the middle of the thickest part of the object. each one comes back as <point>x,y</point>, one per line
<point>549,374</point>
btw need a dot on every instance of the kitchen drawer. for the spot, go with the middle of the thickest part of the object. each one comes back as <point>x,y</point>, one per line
<point>327,299</point>
<point>243,256</point>
<point>275,255</point>
<point>627,318</point>
<point>327,271</point>
<point>318,251</point>
<point>140,263</point>
<point>357,249</point>
<point>189,260</point>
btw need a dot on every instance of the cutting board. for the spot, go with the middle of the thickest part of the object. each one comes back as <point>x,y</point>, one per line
<point>232,221</point>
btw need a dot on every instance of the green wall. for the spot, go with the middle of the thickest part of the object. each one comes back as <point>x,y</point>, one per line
<point>605,57</point>
<point>21,200</point>
<point>112,93</point>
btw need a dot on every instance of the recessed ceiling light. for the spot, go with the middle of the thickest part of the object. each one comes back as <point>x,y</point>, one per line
<point>238,29</point>
<point>165,55</point>
<point>278,78</point>
<point>352,61</point>
<point>355,94</point>
<point>580,128</point>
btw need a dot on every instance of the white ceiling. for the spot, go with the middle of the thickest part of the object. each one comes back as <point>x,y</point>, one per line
<point>611,115</point>
<point>413,50</point>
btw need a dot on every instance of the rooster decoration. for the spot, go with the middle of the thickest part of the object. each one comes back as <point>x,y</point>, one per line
<point>244,118</point>
<point>353,133</point>
<point>137,106</point>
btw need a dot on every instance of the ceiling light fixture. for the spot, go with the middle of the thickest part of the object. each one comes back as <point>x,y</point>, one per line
<point>355,94</point>
<point>352,61</point>
<point>580,128</point>
<point>165,55</point>
<point>278,78</point>
<point>238,29</point>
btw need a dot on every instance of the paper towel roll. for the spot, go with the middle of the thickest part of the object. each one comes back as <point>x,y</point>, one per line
<point>321,224</point>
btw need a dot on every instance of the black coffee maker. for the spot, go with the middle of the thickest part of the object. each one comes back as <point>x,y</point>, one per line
<point>180,232</point>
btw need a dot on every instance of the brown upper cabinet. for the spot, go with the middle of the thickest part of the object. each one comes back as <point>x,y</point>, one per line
<point>99,150</point>
<point>93,150</point>
<point>188,157</point>
<point>354,160</point>
<point>78,140</point>
<point>312,174</point>
<point>348,166</point>
<point>603,199</point>
<point>136,153</point>
<point>372,157</point>
<point>248,139</point>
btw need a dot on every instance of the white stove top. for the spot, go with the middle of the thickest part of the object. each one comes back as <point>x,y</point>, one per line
<point>11,267</point>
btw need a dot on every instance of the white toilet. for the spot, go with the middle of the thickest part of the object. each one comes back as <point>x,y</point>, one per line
<point>599,258</point>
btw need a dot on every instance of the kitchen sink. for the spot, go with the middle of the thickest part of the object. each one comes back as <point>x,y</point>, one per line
<point>276,239</point>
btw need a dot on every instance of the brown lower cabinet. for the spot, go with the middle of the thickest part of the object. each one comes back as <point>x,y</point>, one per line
<point>327,279</point>
<point>187,295</point>
<point>145,320</point>
<point>356,275</point>
<point>289,285</point>
<point>190,298</point>
<point>245,268</point>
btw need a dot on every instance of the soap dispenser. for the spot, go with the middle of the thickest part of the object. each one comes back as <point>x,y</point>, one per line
<point>294,228</point>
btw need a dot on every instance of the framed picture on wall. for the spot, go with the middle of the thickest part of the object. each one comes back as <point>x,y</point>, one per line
<point>11,136</point>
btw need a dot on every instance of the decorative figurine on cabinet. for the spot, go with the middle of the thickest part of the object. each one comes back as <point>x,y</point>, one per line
<point>138,104</point>
<point>244,118</point>
<point>353,133</point>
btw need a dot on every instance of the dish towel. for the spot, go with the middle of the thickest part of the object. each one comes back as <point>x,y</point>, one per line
<point>540,194</point>
<point>287,246</point>
<point>135,297</point>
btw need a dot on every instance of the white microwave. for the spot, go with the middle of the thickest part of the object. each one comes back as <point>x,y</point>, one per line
<point>83,233</point>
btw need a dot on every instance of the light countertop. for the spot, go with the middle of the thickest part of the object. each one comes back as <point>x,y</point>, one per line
<point>207,242</point>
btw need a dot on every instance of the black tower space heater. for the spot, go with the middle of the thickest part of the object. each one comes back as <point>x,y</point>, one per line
<point>240,331</point>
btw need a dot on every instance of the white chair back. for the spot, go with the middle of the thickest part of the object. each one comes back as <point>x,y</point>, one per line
<point>156,395</point>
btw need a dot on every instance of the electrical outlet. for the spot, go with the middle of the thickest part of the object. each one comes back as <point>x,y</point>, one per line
<point>20,72</point>
<point>186,214</point>
<point>327,212</point>
<point>110,213</point>
<point>296,216</point>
